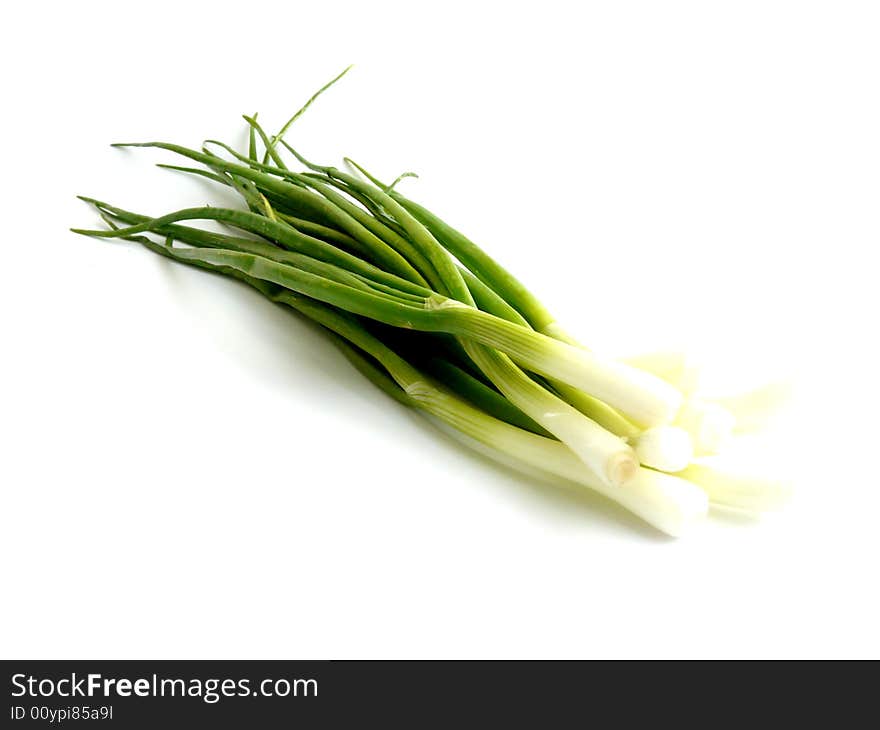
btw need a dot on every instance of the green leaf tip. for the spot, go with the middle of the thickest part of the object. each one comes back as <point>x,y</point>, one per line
<point>278,137</point>
<point>400,177</point>
<point>378,183</point>
<point>91,232</point>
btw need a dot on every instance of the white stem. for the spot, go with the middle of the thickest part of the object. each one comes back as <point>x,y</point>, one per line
<point>668,503</point>
<point>606,454</point>
<point>607,417</point>
<point>709,425</point>
<point>735,488</point>
<point>644,398</point>
<point>667,448</point>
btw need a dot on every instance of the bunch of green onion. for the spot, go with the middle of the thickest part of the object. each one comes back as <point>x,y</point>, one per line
<point>440,326</point>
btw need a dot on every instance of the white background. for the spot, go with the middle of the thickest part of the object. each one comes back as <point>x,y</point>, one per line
<point>190,472</point>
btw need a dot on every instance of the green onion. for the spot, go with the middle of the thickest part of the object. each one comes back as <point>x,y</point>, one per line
<point>440,326</point>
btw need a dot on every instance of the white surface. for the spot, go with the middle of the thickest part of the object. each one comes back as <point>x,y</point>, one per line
<point>189,472</point>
